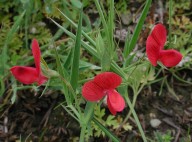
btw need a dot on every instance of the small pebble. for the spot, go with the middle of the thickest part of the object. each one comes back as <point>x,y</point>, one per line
<point>126,18</point>
<point>189,109</point>
<point>155,123</point>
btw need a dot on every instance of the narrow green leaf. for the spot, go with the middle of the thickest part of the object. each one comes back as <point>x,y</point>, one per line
<point>89,111</point>
<point>76,3</point>
<point>171,91</point>
<point>86,118</point>
<point>70,113</point>
<point>14,96</point>
<point>61,70</point>
<point>128,60</point>
<point>86,65</point>
<point>102,19</point>
<point>99,44</point>
<point>135,116</point>
<point>105,61</point>
<point>170,16</point>
<point>108,27</point>
<point>107,132</point>
<point>62,73</point>
<point>75,25</point>
<point>60,32</point>
<point>103,52</point>
<point>9,37</point>
<point>87,47</point>
<point>68,90</point>
<point>46,86</point>
<point>87,25</point>
<point>68,63</point>
<point>92,51</point>
<point>139,26</point>
<point>2,87</point>
<point>127,42</point>
<point>111,25</point>
<point>76,55</point>
<point>29,7</point>
<point>74,111</point>
<point>14,28</point>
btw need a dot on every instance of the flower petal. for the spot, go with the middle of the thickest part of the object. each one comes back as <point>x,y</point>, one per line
<point>42,79</point>
<point>26,75</point>
<point>111,109</point>
<point>152,50</point>
<point>36,54</point>
<point>159,34</point>
<point>115,101</point>
<point>170,58</point>
<point>92,92</point>
<point>108,80</point>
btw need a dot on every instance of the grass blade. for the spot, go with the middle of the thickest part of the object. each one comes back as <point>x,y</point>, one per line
<point>62,73</point>
<point>87,47</point>
<point>75,25</point>
<point>89,111</point>
<point>70,113</point>
<point>107,132</point>
<point>10,35</point>
<point>92,51</point>
<point>111,24</point>
<point>139,26</point>
<point>127,42</point>
<point>135,117</point>
<point>108,27</point>
<point>76,55</point>
<point>2,86</point>
<point>102,18</point>
<point>170,15</point>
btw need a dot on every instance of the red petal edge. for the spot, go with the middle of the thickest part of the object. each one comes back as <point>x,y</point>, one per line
<point>26,75</point>
<point>92,92</point>
<point>36,54</point>
<point>159,34</point>
<point>115,101</point>
<point>111,109</point>
<point>42,79</point>
<point>152,50</point>
<point>170,58</point>
<point>108,80</point>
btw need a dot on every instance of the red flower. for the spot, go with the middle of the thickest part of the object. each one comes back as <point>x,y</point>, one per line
<point>105,84</point>
<point>154,48</point>
<point>29,75</point>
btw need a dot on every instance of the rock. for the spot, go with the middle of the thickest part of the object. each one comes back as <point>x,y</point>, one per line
<point>126,18</point>
<point>155,123</point>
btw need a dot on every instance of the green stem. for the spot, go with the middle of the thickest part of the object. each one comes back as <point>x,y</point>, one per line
<point>68,85</point>
<point>86,118</point>
<point>93,52</point>
<point>180,79</point>
<point>136,119</point>
<point>133,104</point>
<point>139,26</point>
<point>136,93</point>
<point>105,130</point>
<point>75,25</point>
<point>170,15</point>
<point>82,134</point>
<point>2,90</point>
<point>102,18</point>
